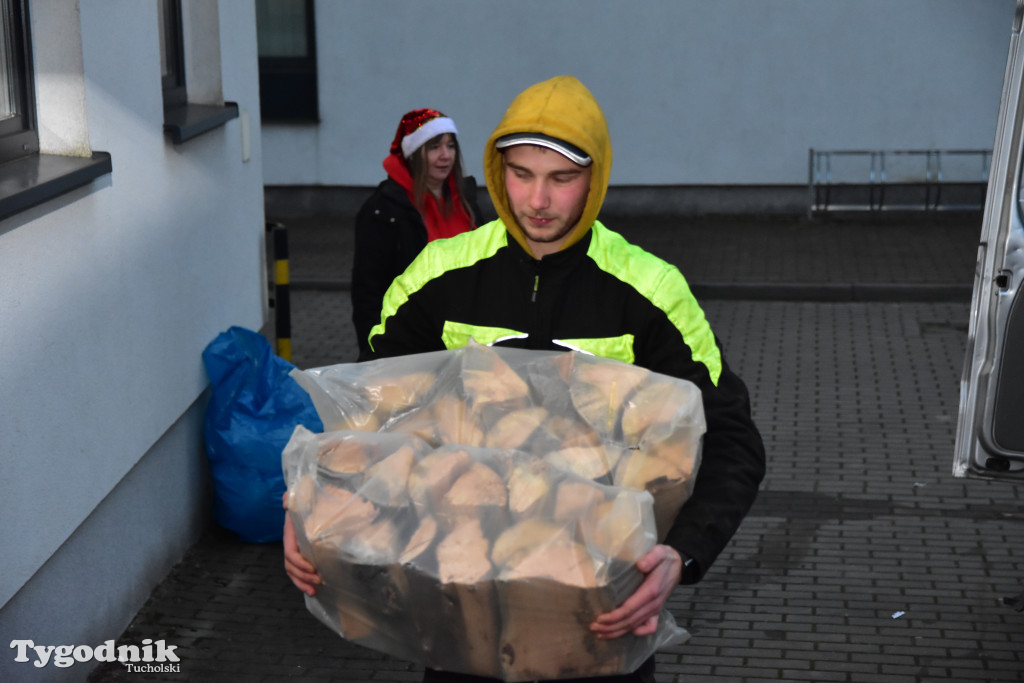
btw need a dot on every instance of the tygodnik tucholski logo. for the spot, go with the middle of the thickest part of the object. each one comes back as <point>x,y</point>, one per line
<point>150,657</point>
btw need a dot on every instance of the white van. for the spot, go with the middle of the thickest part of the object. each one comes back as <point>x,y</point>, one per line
<point>990,430</point>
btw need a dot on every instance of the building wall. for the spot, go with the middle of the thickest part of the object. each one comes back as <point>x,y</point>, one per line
<point>695,92</point>
<point>108,297</point>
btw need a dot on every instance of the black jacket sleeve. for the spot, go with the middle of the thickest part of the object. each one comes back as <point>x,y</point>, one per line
<point>469,192</point>
<point>731,470</point>
<point>388,234</point>
<point>732,452</point>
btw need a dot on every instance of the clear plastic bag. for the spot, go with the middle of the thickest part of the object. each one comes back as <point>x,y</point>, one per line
<point>475,510</point>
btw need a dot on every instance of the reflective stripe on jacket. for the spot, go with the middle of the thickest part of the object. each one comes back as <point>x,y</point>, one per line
<point>585,277</point>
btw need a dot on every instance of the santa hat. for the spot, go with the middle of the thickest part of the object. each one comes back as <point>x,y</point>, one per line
<point>417,127</point>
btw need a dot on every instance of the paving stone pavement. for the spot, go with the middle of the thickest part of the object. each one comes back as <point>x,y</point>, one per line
<point>862,560</point>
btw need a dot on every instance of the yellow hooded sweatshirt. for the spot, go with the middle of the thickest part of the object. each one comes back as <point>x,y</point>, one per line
<point>563,108</point>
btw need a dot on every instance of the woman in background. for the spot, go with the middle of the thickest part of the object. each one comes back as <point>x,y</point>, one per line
<point>425,197</point>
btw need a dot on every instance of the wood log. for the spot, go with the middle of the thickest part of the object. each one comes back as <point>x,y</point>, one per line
<point>548,596</point>
<point>433,475</point>
<point>514,428</point>
<point>573,498</point>
<point>599,391</point>
<point>420,422</point>
<point>393,394</point>
<point>345,456</point>
<point>488,379</point>
<point>467,627</point>
<point>529,487</point>
<point>669,481</point>
<point>589,462</point>
<point>386,482</point>
<point>615,531</point>
<point>456,423</point>
<point>480,493</point>
<point>662,404</point>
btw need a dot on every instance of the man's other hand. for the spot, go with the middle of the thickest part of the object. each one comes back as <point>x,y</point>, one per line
<point>300,570</point>
<point>662,568</point>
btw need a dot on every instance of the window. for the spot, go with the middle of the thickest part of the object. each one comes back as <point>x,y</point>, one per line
<point>287,56</point>
<point>172,62</point>
<point>30,175</point>
<point>185,118</point>
<point>18,136</point>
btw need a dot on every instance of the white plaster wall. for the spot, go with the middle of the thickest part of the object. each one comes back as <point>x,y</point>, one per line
<point>695,92</point>
<point>108,296</point>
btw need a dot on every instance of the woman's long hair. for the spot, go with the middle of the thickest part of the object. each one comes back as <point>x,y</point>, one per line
<point>418,168</point>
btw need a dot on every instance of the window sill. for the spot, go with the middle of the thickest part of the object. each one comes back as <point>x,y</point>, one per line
<point>37,178</point>
<point>192,120</point>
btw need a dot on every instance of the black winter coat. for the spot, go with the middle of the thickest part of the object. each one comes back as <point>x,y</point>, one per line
<point>389,235</point>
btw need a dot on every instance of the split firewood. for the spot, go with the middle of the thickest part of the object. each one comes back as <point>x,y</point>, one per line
<point>616,529</point>
<point>366,591</point>
<point>419,422</point>
<point>666,480</point>
<point>657,403</point>
<point>456,424</point>
<point>345,456</point>
<point>521,539</point>
<point>563,364</point>
<point>570,433</point>
<point>422,539</point>
<point>600,389</point>
<point>434,474</point>
<point>574,498</point>
<point>354,421</point>
<point>680,450</point>
<point>529,486</point>
<point>542,549</point>
<point>614,380</point>
<point>548,595</point>
<point>392,394</point>
<point>515,428</point>
<point>466,624</point>
<point>387,481</point>
<point>335,511</point>
<point>476,489</point>
<point>375,544</point>
<point>589,462</point>
<point>462,555</point>
<point>488,379</point>
<point>641,469</point>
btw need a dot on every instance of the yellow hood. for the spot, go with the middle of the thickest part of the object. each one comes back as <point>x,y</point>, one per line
<point>561,107</point>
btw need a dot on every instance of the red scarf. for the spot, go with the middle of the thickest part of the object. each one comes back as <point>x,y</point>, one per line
<point>438,225</point>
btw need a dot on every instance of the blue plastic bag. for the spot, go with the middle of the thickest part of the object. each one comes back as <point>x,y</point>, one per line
<point>253,410</point>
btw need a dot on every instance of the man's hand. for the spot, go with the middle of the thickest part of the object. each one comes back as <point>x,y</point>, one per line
<point>300,570</point>
<point>662,568</point>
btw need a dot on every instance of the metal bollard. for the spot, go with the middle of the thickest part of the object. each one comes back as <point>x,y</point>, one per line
<point>282,302</point>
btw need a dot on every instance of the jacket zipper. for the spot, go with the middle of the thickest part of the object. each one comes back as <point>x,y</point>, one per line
<point>536,286</point>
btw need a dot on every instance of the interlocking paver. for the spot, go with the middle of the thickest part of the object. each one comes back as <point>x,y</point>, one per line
<point>859,517</point>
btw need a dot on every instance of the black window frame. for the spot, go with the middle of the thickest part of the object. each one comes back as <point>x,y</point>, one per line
<point>19,136</point>
<point>184,120</point>
<point>173,83</point>
<point>288,85</point>
<point>28,177</point>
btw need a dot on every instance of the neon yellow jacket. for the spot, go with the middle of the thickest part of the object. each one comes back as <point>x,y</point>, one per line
<point>599,294</point>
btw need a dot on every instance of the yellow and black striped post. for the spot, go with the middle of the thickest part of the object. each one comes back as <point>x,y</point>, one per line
<point>282,302</point>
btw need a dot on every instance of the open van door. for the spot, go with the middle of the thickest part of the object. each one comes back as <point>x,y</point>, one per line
<point>990,427</point>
